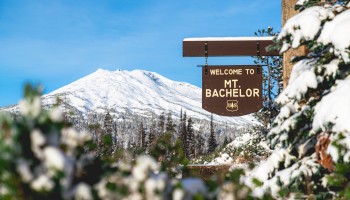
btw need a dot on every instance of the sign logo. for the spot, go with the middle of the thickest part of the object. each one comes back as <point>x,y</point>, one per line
<point>232,90</point>
<point>232,105</point>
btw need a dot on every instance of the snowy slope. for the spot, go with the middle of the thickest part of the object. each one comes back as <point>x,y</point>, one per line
<point>137,91</point>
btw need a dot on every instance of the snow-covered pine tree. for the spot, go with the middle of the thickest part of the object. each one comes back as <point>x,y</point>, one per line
<point>272,74</point>
<point>142,136</point>
<point>114,136</point>
<point>311,134</point>
<point>180,124</point>
<point>105,144</point>
<point>190,138</point>
<point>226,142</point>
<point>183,134</point>
<point>161,124</point>
<point>95,130</point>
<point>170,126</point>
<point>212,144</point>
<point>108,123</point>
<point>151,135</point>
<point>200,145</point>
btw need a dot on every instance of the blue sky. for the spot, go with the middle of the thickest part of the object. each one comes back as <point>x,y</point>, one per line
<point>57,42</point>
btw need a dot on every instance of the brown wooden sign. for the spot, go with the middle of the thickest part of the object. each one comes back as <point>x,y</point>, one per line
<point>232,90</point>
<point>230,46</point>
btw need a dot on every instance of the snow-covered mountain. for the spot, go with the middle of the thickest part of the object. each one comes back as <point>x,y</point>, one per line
<point>138,92</point>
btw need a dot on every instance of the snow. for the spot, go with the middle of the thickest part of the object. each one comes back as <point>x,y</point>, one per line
<point>239,141</point>
<point>144,164</point>
<point>83,192</point>
<point>42,183</point>
<point>226,156</point>
<point>37,141</point>
<point>301,79</point>
<point>333,151</point>
<point>54,158</point>
<point>331,68</point>
<point>334,108</point>
<point>303,148</point>
<point>301,2</point>
<point>228,39</point>
<point>3,191</point>
<point>223,159</point>
<point>136,91</point>
<point>30,108</point>
<point>305,81</point>
<point>178,194</point>
<point>303,26</point>
<point>73,138</point>
<point>272,179</point>
<point>264,171</point>
<point>287,118</point>
<point>155,184</point>
<point>24,170</point>
<point>56,115</point>
<point>337,33</point>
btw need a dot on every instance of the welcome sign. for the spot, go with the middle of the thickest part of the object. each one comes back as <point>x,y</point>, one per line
<point>232,90</point>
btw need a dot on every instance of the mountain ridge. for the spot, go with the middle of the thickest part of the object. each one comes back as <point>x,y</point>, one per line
<point>136,91</point>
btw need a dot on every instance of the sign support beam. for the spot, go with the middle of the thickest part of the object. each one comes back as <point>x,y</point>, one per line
<point>227,46</point>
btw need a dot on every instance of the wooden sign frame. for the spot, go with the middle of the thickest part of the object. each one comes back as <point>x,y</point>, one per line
<point>232,90</point>
<point>228,46</point>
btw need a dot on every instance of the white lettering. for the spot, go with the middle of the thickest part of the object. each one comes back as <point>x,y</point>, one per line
<point>215,93</point>
<point>207,93</point>
<point>249,71</point>
<point>222,93</point>
<point>221,72</point>
<point>237,92</point>
<point>256,92</point>
<point>240,93</point>
<point>228,83</point>
<point>234,82</point>
<point>249,92</point>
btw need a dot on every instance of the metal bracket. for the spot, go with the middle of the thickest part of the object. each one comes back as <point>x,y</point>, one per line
<point>206,57</point>
<point>206,49</point>
<point>258,54</point>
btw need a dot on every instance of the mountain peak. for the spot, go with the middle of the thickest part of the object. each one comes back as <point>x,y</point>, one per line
<point>137,91</point>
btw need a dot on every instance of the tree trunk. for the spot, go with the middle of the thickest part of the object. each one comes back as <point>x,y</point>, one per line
<point>288,12</point>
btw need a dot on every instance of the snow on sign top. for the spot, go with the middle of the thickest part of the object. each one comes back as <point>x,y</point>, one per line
<point>230,39</point>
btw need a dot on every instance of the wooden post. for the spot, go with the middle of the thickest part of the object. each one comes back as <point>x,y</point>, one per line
<point>288,12</point>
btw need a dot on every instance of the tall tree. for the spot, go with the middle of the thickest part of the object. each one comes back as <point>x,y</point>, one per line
<point>272,74</point>
<point>106,142</point>
<point>226,141</point>
<point>311,134</point>
<point>142,136</point>
<point>190,139</point>
<point>199,145</point>
<point>161,123</point>
<point>108,123</point>
<point>180,124</point>
<point>114,136</point>
<point>183,134</point>
<point>95,128</point>
<point>151,135</point>
<point>170,126</point>
<point>212,138</point>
